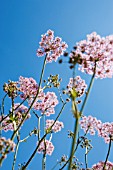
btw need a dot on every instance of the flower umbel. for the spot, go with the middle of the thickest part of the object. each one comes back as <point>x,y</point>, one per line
<point>95,49</point>
<point>46,147</point>
<point>52,46</point>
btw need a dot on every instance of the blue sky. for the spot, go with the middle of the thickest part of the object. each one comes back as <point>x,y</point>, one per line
<point>22,23</point>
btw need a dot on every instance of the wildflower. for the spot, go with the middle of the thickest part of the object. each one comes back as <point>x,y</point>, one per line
<point>46,104</point>
<point>94,52</point>
<point>100,165</point>
<point>11,88</point>
<point>46,147</point>
<point>6,143</point>
<point>56,127</point>
<point>28,87</point>
<point>91,125</point>
<point>52,46</point>
<point>76,87</point>
<point>16,117</point>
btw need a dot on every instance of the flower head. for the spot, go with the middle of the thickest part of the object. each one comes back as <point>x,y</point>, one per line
<point>95,55</point>
<point>100,165</point>
<point>4,143</point>
<point>76,86</point>
<point>46,147</point>
<point>52,46</point>
<point>56,127</point>
<point>46,104</point>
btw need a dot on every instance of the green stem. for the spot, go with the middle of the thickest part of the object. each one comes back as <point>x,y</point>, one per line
<point>107,154</point>
<point>55,166</point>
<point>44,158</point>
<point>73,143</point>
<point>15,155</point>
<point>40,82</point>
<point>44,154</point>
<point>88,91</point>
<point>86,161</point>
<point>78,142</point>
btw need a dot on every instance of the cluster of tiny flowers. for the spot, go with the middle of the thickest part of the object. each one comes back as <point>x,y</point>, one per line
<point>19,113</point>
<point>6,124</point>
<point>91,125</point>
<point>46,104</point>
<point>78,85</point>
<point>11,88</point>
<point>52,46</point>
<point>100,165</point>
<point>56,127</point>
<point>46,147</point>
<point>4,143</point>
<point>97,51</point>
<point>28,87</point>
<point>106,131</point>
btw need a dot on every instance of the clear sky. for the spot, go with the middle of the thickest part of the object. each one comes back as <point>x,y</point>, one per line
<point>21,24</point>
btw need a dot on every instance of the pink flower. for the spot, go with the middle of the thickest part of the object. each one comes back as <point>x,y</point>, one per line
<point>46,104</point>
<point>28,87</point>
<point>97,50</point>
<point>78,85</point>
<point>56,127</point>
<point>52,46</point>
<point>46,147</point>
<point>91,125</point>
<point>18,115</point>
<point>4,143</point>
<point>100,165</point>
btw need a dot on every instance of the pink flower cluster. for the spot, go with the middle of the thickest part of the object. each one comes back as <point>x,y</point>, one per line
<point>78,85</point>
<point>3,145</point>
<point>46,147</point>
<point>91,125</point>
<point>106,130</point>
<point>46,104</point>
<point>28,87</point>
<point>56,127</point>
<point>100,165</point>
<point>19,113</point>
<point>6,124</point>
<point>52,46</point>
<point>96,49</point>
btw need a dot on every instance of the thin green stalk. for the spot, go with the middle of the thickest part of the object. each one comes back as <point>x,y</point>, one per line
<point>73,143</point>
<point>40,82</point>
<point>86,161</point>
<point>107,154</point>
<point>44,158</point>
<point>78,142</point>
<point>55,166</point>
<point>88,91</point>
<point>44,154</point>
<point>2,113</point>
<point>15,155</point>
